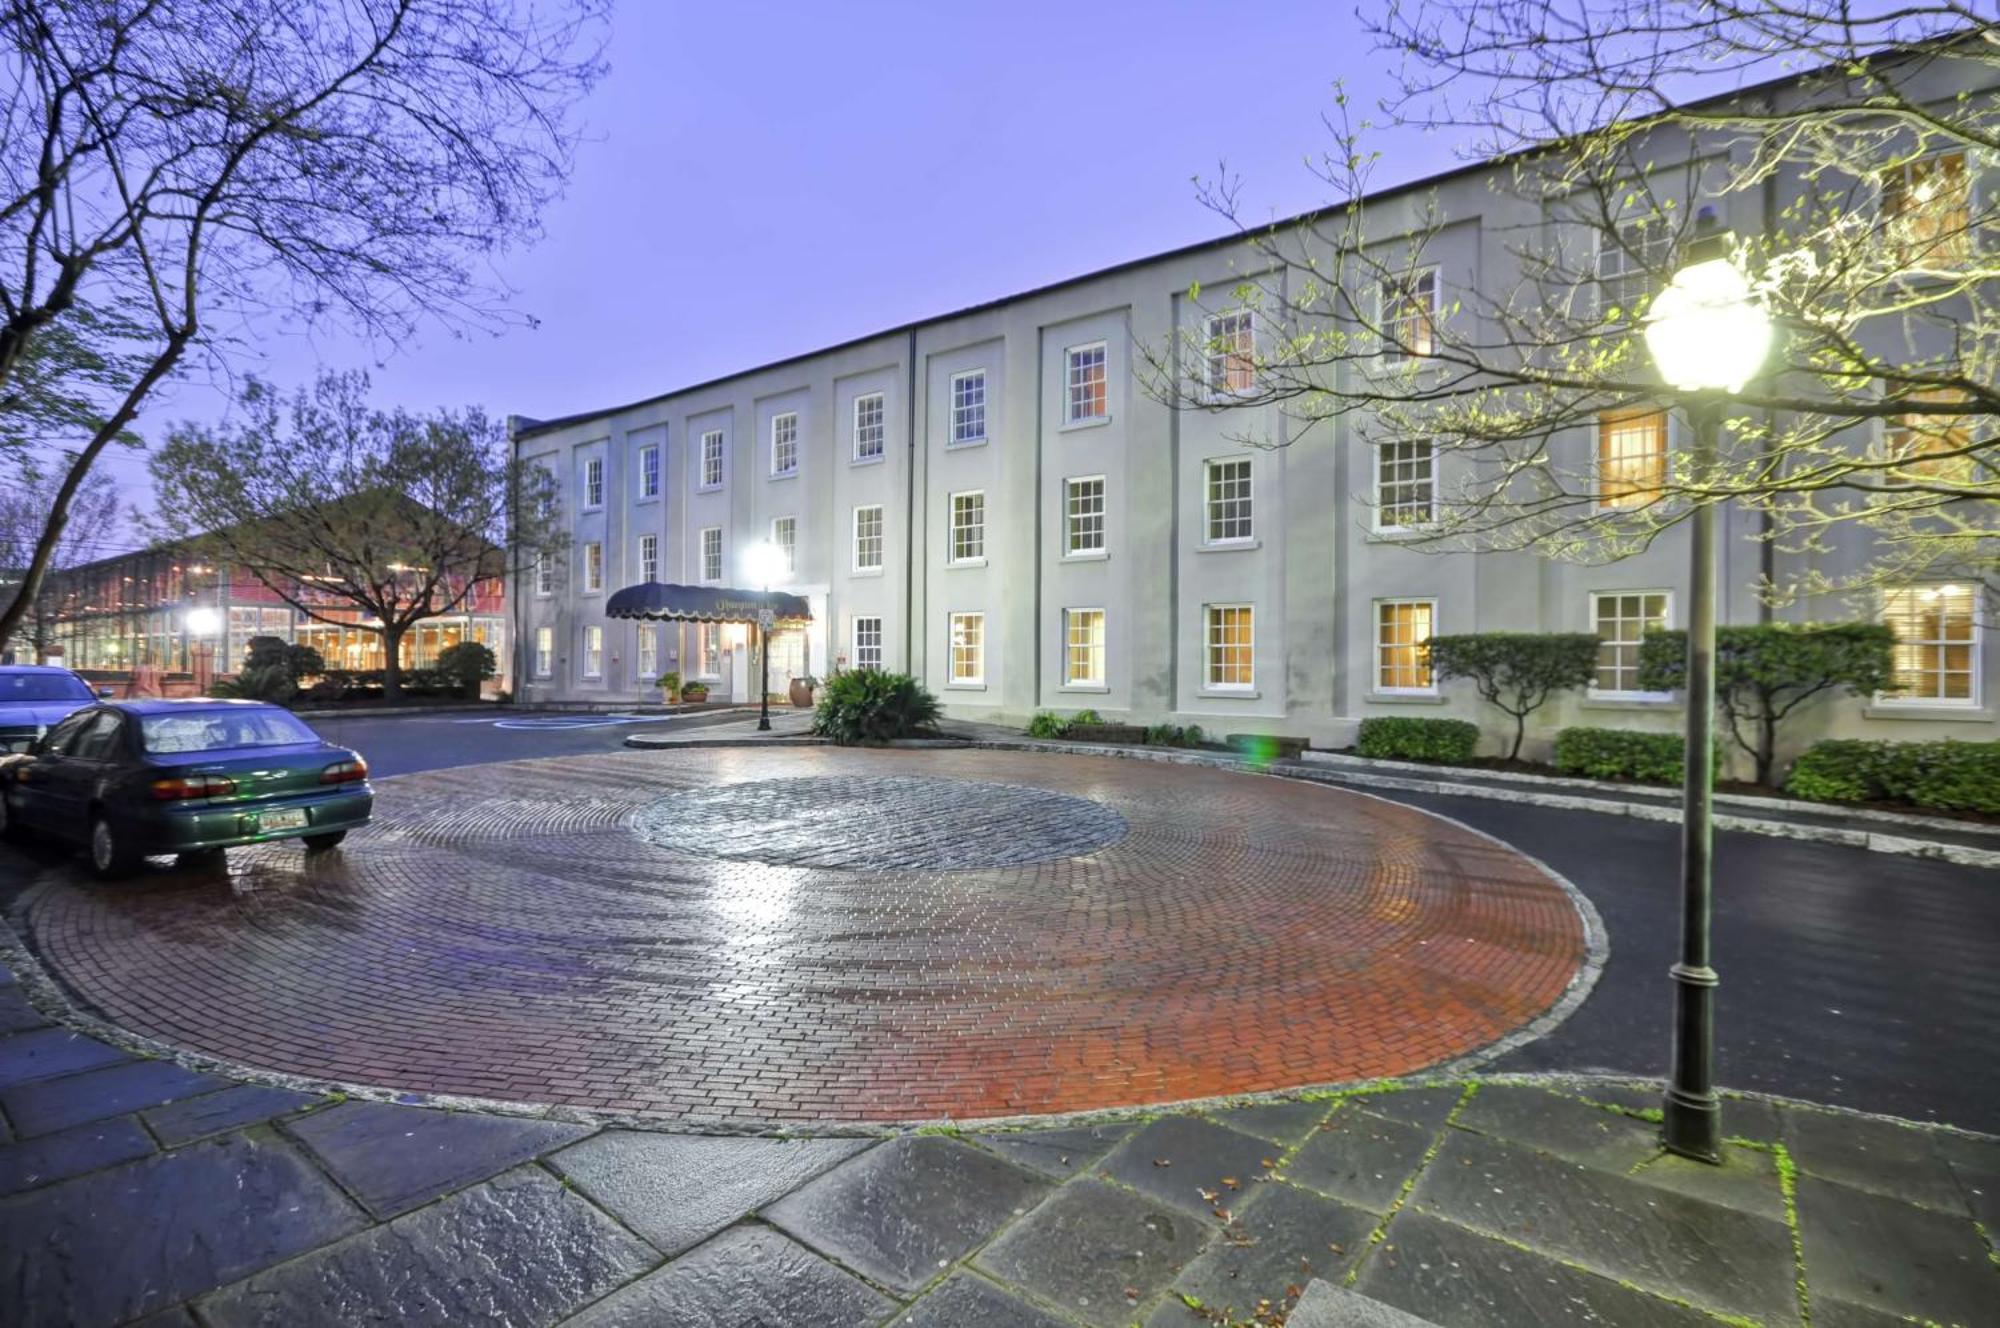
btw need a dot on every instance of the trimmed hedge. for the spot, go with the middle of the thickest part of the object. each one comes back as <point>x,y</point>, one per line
<point>1620,754</point>
<point>1397,737</point>
<point>1947,775</point>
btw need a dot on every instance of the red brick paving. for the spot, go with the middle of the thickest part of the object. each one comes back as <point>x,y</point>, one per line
<point>499,932</point>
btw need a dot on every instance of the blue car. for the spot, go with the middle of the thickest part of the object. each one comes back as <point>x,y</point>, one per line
<point>135,778</point>
<point>33,697</point>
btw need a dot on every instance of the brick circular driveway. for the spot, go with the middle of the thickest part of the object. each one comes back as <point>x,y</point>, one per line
<point>502,931</point>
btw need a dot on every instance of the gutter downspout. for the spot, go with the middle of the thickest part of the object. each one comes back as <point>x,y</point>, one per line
<point>910,505</point>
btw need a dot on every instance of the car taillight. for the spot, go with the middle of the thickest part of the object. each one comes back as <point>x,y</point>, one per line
<point>344,772</point>
<point>195,786</point>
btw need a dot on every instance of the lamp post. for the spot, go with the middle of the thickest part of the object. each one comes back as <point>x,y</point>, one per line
<point>763,562</point>
<point>1709,335</point>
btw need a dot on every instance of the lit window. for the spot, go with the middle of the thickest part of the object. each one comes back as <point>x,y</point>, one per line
<point>868,539</point>
<point>1232,354</point>
<point>785,444</point>
<point>1088,384</point>
<point>868,430</point>
<point>545,574</point>
<point>593,652</point>
<point>593,567</point>
<point>968,527</point>
<point>711,553</point>
<point>1409,314</point>
<point>1631,457</point>
<point>711,459</point>
<point>968,407</point>
<point>1937,645</point>
<point>1405,493</point>
<point>1623,618</point>
<point>1230,647</point>
<point>649,557</point>
<point>968,647</point>
<point>649,655</point>
<point>1631,258</point>
<point>1931,444</point>
<point>593,482</point>
<point>1083,515</point>
<point>649,471</point>
<point>545,651</point>
<point>1927,210</point>
<point>708,650</point>
<point>1228,490</point>
<point>867,643</point>
<point>785,535</point>
<point>1083,647</point>
<point>1402,629</point>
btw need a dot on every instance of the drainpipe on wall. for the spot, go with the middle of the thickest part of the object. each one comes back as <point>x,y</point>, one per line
<point>910,507</point>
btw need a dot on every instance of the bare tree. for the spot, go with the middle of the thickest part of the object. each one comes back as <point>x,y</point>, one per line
<point>190,166</point>
<point>331,504</point>
<point>87,536</point>
<point>1871,243</point>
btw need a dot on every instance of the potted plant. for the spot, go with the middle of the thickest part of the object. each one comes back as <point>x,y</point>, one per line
<point>802,691</point>
<point>694,693</point>
<point>670,683</point>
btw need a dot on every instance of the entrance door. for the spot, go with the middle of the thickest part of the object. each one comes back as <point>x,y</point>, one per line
<point>788,658</point>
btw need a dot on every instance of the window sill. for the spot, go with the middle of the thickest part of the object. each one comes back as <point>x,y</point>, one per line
<point>865,571</point>
<point>956,563</point>
<point>1918,710</point>
<point>1228,693</point>
<point>588,511</point>
<point>645,498</point>
<point>1229,546</point>
<point>965,687</point>
<point>589,592</point>
<point>1094,422</point>
<point>964,444</point>
<point>1404,698</point>
<point>1087,556</point>
<point>708,488</point>
<point>1631,701</point>
<point>783,475</point>
<point>1399,534</point>
<point>1094,688</point>
<point>875,460</point>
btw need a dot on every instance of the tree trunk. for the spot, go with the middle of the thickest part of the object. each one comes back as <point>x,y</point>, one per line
<point>392,662</point>
<point>1520,732</point>
<point>1767,746</point>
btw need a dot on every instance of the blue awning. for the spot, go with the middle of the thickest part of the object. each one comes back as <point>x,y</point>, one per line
<point>672,603</point>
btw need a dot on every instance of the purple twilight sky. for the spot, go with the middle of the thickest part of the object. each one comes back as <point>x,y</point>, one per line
<point>760,180</point>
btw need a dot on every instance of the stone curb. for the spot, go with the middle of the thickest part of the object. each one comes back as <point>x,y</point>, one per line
<point>1912,846</point>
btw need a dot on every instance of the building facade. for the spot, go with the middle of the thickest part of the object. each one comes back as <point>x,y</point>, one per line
<point>993,501</point>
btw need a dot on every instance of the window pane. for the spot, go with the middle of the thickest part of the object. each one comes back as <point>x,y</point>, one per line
<point>1402,627</point>
<point>1403,493</point>
<point>968,526</point>
<point>1631,457</point>
<point>1230,645</point>
<point>1622,621</point>
<point>1229,516</point>
<point>1084,515</point>
<point>1936,657</point>
<point>1087,383</point>
<point>1083,647</point>
<point>868,430</point>
<point>968,647</point>
<point>968,407</point>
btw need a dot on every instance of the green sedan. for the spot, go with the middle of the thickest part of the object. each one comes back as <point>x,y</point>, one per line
<point>135,778</point>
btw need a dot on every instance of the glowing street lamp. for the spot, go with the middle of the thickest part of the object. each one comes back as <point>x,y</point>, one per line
<point>763,563</point>
<point>1709,335</point>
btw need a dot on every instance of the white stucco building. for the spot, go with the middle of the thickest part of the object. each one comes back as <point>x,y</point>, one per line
<point>989,500</point>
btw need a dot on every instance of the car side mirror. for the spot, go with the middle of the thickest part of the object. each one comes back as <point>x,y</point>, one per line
<point>106,693</point>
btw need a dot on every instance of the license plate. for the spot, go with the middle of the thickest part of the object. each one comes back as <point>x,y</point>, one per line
<point>282,820</point>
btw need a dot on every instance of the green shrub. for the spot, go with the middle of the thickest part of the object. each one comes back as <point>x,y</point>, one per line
<point>1946,776</point>
<point>1173,735</point>
<point>870,706</point>
<point>1047,724</point>
<point>1417,739</point>
<point>264,682</point>
<point>1620,754</point>
<point>1516,671</point>
<point>274,652</point>
<point>465,665</point>
<point>670,683</point>
<point>1086,717</point>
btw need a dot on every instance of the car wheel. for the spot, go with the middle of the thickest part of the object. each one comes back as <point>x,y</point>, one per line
<point>321,843</point>
<point>111,855</point>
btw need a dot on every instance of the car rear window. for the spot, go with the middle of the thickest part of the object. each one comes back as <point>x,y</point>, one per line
<point>42,687</point>
<point>219,730</point>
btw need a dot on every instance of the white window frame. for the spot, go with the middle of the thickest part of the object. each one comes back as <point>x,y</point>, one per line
<point>710,460</point>
<point>861,565</point>
<point>953,558</point>
<point>1212,646</point>
<point>1216,364</point>
<point>1100,648</point>
<point>1071,355</point>
<point>593,567</point>
<point>1638,497</point>
<point>591,665</point>
<point>545,575</point>
<point>976,619</point>
<point>701,552</point>
<point>860,647</point>
<point>647,655</point>
<point>1596,693</point>
<point>1902,701</point>
<point>1071,515</point>
<point>1659,236</point>
<point>593,484</point>
<point>788,527</point>
<point>881,426</point>
<point>708,650</point>
<point>962,412</point>
<point>649,472</point>
<point>1382,482</point>
<point>1390,352</point>
<point>1210,504</point>
<point>1375,636</point>
<point>649,557</point>
<point>784,433</point>
<point>545,652</point>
